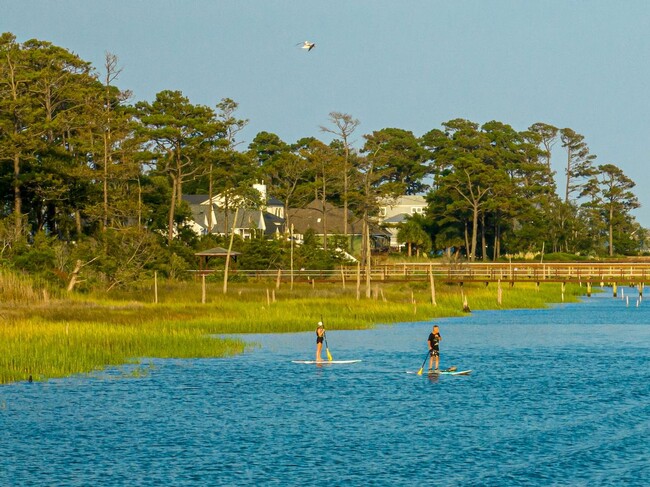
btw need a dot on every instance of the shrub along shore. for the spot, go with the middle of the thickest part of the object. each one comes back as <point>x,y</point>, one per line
<point>43,337</point>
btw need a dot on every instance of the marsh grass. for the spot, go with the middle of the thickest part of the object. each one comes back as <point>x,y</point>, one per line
<point>82,334</point>
<point>16,288</point>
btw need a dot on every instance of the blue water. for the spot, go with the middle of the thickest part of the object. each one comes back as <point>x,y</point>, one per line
<point>557,397</point>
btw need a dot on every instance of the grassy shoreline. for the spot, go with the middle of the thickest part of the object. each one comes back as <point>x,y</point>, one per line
<point>59,338</point>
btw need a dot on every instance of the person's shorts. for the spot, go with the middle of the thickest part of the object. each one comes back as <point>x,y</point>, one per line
<point>319,339</point>
<point>434,353</point>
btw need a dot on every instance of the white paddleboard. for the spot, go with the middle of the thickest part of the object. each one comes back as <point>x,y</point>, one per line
<point>326,362</point>
<point>442,372</point>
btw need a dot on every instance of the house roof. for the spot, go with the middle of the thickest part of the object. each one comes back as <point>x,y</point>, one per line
<point>248,219</point>
<point>271,201</point>
<point>399,218</point>
<point>216,252</point>
<point>311,217</point>
<point>223,221</point>
<point>405,200</point>
<point>196,199</point>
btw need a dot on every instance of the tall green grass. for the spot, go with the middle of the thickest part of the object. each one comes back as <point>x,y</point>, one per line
<point>17,288</point>
<point>82,334</point>
<point>45,349</point>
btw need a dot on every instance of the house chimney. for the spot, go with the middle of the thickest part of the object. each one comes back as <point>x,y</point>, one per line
<point>261,187</point>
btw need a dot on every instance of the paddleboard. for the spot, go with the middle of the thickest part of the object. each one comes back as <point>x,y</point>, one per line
<point>326,362</point>
<point>443,372</point>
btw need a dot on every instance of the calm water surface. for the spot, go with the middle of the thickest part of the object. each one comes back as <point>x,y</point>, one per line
<point>556,397</point>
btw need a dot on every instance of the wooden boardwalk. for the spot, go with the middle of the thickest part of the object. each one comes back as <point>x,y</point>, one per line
<point>628,273</point>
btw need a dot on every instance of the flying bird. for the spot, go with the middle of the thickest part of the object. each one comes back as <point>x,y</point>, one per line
<point>307,45</point>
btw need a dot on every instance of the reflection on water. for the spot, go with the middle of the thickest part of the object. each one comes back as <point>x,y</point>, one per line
<point>556,397</point>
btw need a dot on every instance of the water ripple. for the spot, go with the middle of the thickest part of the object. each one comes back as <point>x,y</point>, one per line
<point>557,397</point>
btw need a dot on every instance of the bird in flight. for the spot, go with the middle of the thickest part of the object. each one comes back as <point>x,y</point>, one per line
<point>307,45</point>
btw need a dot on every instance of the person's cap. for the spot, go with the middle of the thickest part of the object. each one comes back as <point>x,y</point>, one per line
<point>320,323</point>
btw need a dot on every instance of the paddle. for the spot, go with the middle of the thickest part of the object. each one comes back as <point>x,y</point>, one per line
<point>423,363</point>
<point>327,349</point>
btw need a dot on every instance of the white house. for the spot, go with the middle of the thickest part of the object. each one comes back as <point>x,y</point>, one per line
<point>249,221</point>
<point>395,211</point>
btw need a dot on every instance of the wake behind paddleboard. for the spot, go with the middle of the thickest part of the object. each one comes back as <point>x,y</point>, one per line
<point>442,372</point>
<point>325,362</point>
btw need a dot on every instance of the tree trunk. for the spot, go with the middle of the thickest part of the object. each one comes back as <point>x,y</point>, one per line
<point>105,184</point>
<point>225,272</point>
<point>345,196</point>
<point>568,176</point>
<point>210,224</point>
<point>324,216</point>
<point>18,202</point>
<point>77,221</point>
<point>483,241</point>
<point>172,208</point>
<point>368,256</point>
<point>474,233</point>
<point>74,275</point>
<point>611,231</point>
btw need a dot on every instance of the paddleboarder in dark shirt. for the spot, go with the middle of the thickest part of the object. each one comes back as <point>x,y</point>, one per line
<point>320,334</point>
<point>434,340</point>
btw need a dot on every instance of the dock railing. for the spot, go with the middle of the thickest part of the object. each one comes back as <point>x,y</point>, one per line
<point>595,273</point>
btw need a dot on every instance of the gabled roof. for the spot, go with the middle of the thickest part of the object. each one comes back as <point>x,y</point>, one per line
<point>196,199</point>
<point>216,252</point>
<point>253,219</point>
<point>311,217</point>
<point>399,218</point>
<point>271,201</point>
<point>405,200</point>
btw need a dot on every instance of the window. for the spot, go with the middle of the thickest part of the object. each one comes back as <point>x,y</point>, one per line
<point>417,209</point>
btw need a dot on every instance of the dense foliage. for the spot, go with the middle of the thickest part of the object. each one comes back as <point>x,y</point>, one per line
<point>93,181</point>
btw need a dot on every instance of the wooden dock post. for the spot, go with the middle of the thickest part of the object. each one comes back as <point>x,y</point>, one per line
<point>465,304</point>
<point>614,290</point>
<point>358,281</point>
<point>433,287</point>
<point>202,288</point>
<point>588,289</point>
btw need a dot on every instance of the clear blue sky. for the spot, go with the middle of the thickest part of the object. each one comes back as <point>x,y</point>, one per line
<point>406,64</point>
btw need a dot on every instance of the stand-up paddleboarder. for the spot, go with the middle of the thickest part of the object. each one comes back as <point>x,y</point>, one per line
<point>320,335</point>
<point>434,351</point>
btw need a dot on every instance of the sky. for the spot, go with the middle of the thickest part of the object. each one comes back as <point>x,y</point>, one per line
<point>411,64</point>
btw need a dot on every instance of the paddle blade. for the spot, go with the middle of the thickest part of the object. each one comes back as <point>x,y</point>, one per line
<point>420,371</point>
<point>329,355</point>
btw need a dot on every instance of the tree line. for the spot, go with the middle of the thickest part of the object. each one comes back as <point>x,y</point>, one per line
<point>98,179</point>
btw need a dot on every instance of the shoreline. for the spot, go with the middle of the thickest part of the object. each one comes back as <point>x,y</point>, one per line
<point>78,336</point>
